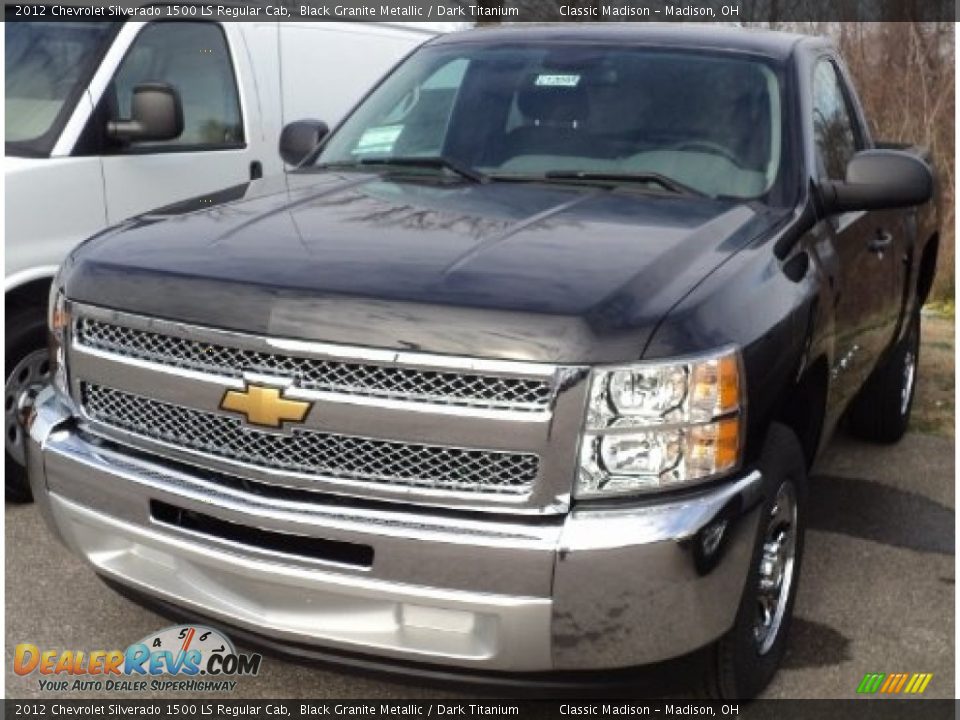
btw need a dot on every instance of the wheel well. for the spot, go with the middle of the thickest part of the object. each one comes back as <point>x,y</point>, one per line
<point>31,294</point>
<point>803,410</point>
<point>928,268</point>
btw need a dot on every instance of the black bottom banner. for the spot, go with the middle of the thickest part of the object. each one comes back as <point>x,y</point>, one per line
<point>257,709</point>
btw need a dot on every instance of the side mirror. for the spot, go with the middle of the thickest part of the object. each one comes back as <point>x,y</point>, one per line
<point>156,114</point>
<point>879,180</point>
<point>299,138</point>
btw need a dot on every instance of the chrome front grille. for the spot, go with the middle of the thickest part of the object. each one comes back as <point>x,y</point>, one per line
<point>387,425</point>
<point>312,452</point>
<point>467,389</point>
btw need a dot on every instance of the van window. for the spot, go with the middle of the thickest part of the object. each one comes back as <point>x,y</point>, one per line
<point>47,67</point>
<point>194,58</point>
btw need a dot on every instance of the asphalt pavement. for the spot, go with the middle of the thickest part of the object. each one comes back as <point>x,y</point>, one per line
<point>876,595</point>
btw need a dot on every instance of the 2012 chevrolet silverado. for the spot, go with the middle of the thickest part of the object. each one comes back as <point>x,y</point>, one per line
<point>519,375</point>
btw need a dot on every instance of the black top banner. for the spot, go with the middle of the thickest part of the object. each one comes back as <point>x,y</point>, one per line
<point>498,11</point>
<point>484,708</point>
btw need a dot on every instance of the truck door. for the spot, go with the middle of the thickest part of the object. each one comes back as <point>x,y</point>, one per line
<point>212,153</point>
<point>863,244</point>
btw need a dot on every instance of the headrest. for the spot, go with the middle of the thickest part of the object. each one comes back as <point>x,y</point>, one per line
<point>554,99</point>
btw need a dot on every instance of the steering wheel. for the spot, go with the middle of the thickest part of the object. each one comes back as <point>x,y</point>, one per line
<point>711,148</point>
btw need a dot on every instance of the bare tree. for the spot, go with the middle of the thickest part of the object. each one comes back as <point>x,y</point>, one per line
<point>905,74</point>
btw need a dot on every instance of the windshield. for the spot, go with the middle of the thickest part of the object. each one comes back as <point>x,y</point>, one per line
<point>708,122</point>
<point>46,65</point>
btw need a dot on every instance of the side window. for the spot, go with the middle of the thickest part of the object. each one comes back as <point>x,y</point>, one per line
<point>833,126</point>
<point>194,58</point>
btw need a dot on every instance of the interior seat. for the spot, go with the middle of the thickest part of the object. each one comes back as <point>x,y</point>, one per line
<point>554,119</point>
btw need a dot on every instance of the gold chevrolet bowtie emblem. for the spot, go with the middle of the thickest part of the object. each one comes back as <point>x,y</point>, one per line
<point>264,406</point>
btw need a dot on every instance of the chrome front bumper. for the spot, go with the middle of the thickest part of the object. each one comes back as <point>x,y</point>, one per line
<point>596,588</point>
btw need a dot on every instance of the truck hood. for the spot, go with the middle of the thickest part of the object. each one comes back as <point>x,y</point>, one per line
<point>504,270</point>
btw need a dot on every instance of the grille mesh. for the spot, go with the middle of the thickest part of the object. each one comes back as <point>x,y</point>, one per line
<point>315,453</point>
<point>450,388</point>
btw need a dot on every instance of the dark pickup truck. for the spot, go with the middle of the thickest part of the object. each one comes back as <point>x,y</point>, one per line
<point>518,378</point>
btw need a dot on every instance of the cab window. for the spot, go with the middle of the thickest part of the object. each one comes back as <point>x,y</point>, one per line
<point>524,112</point>
<point>417,123</point>
<point>834,130</point>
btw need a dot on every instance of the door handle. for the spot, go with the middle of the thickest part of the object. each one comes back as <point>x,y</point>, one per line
<point>881,241</point>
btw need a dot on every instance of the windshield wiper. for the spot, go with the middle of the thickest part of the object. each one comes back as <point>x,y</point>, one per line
<point>618,178</point>
<point>432,161</point>
<point>414,161</point>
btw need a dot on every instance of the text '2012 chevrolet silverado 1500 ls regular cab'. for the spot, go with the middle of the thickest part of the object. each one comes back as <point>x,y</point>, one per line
<point>519,375</point>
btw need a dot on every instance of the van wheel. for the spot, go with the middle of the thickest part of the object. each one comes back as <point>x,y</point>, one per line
<point>28,369</point>
<point>743,661</point>
<point>881,411</point>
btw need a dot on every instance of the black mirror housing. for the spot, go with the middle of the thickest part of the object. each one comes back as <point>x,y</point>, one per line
<point>879,180</point>
<point>299,138</point>
<point>156,114</point>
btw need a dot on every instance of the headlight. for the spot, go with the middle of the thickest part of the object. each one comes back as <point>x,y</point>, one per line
<point>653,426</point>
<point>58,320</point>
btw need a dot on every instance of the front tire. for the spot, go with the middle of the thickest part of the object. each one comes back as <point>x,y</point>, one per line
<point>881,411</point>
<point>744,661</point>
<point>27,370</point>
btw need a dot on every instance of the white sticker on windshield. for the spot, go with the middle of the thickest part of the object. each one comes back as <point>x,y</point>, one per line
<point>378,139</point>
<point>557,80</point>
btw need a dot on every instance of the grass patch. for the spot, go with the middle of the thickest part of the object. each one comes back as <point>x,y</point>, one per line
<point>934,406</point>
<point>946,309</point>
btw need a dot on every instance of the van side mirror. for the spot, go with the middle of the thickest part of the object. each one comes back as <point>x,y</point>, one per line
<point>879,180</point>
<point>299,138</point>
<point>156,114</point>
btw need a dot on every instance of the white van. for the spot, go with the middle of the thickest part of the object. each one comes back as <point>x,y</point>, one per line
<point>84,151</point>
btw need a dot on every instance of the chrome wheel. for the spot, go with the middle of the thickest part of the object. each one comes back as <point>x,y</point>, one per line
<point>909,377</point>
<point>23,383</point>
<point>776,567</point>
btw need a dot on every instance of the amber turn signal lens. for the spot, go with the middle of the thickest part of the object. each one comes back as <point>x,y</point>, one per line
<point>714,448</point>
<point>728,444</point>
<point>59,320</point>
<point>715,388</point>
<point>729,384</point>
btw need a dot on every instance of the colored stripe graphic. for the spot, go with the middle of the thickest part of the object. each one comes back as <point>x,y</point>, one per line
<point>923,679</point>
<point>900,683</point>
<point>894,683</point>
<point>870,683</point>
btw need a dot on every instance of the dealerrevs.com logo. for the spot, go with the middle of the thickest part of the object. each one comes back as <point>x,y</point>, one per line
<point>189,658</point>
